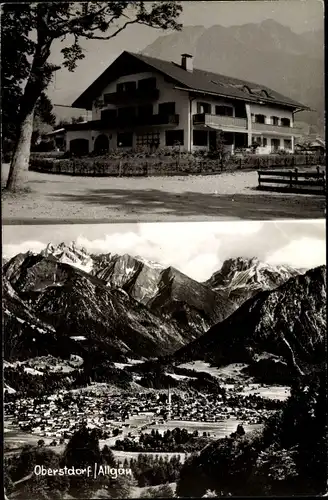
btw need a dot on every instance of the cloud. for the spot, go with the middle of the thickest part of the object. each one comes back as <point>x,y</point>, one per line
<point>113,243</point>
<point>202,266</point>
<point>11,250</point>
<point>196,248</point>
<point>301,253</point>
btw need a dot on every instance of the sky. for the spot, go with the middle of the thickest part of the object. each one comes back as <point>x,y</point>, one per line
<point>195,248</point>
<point>299,15</point>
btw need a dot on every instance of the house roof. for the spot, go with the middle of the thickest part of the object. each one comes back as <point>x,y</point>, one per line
<point>308,142</point>
<point>198,80</point>
<point>54,132</point>
<point>318,143</point>
<point>95,124</point>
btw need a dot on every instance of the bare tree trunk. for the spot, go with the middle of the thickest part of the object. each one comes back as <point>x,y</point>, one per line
<point>38,80</point>
<point>18,173</point>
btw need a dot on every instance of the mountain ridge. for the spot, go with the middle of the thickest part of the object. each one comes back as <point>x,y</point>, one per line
<point>70,300</point>
<point>127,306</point>
<point>293,62</point>
<point>289,322</point>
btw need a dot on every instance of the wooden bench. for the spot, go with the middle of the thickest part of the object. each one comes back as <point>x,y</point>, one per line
<point>292,181</point>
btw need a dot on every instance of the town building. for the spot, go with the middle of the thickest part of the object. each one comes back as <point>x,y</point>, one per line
<point>143,101</point>
<point>58,138</point>
<point>315,146</point>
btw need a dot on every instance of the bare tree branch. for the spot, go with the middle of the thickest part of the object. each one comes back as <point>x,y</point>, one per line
<point>108,37</point>
<point>66,26</point>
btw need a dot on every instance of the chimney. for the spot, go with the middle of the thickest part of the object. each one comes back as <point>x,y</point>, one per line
<point>187,62</point>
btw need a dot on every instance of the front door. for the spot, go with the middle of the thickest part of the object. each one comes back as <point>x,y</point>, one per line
<point>275,144</point>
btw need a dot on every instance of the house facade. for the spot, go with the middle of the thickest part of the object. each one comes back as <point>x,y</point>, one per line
<point>140,101</point>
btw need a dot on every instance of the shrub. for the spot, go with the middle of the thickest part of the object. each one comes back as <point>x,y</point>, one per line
<point>161,162</point>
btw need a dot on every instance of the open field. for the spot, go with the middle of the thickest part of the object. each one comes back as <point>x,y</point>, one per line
<point>270,392</point>
<point>234,371</point>
<point>217,430</point>
<point>15,439</point>
<point>226,196</point>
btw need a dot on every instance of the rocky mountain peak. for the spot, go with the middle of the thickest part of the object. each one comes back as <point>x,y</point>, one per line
<point>244,272</point>
<point>149,263</point>
<point>69,254</point>
<point>289,322</point>
<point>293,61</point>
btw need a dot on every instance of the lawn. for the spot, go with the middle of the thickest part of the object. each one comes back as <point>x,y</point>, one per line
<point>227,196</point>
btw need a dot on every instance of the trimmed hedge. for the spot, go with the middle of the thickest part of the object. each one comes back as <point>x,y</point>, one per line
<point>163,166</point>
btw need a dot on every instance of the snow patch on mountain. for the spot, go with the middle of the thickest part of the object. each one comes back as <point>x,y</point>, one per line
<point>149,263</point>
<point>252,273</point>
<point>70,254</point>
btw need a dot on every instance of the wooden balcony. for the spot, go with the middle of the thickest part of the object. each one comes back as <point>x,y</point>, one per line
<point>232,124</point>
<point>136,95</point>
<point>275,129</point>
<point>226,123</point>
<point>120,122</point>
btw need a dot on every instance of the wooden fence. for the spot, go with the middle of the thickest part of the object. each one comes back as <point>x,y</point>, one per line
<point>125,168</point>
<point>292,181</point>
<point>163,166</point>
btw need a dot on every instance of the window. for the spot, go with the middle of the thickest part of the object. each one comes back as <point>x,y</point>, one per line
<point>79,147</point>
<point>275,144</point>
<point>287,144</point>
<point>148,139</point>
<point>128,112</point>
<point>174,137</point>
<point>166,108</point>
<point>108,114</point>
<point>124,139</point>
<point>224,110</point>
<point>199,138</point>
<point>101,144</point>
<point>147,83</point>
<point>259,119</point>
<point>145,110</point>
<point>265,142</point>
<point>275,120</point>
<point>285,122</point>
<point>203,108</point>
<point>126,86</point>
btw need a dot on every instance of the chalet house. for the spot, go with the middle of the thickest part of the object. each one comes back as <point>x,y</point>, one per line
<point>143,101</point>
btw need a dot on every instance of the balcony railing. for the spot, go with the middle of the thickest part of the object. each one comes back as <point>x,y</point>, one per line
<point>277,129</point>
<point>131,95</point>
<point>231,123</point>
<point>135,121</point>
<point>226,122</point>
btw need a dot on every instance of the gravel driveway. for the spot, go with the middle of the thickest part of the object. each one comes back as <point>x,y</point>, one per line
<point>58,198</point>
